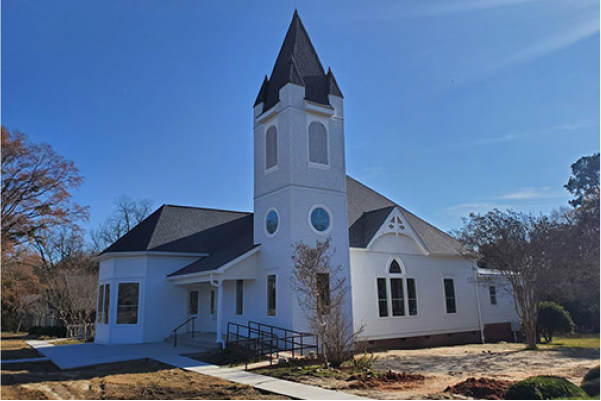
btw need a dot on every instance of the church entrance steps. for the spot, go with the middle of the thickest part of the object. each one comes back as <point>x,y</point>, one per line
<point>199,339</point>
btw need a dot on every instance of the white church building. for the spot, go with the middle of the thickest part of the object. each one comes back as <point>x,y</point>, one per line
<point>410,284</point>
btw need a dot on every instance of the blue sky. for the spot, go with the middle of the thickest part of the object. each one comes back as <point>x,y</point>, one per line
<point>450,107</point>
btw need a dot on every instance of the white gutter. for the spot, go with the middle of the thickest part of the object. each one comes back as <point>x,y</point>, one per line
<point>109,255</point>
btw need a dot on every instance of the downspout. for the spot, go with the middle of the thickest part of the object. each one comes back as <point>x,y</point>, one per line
<point>219,285</point>
<point>482,338</point>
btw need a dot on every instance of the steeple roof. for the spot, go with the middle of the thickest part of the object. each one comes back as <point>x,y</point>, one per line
<point>299,64</point>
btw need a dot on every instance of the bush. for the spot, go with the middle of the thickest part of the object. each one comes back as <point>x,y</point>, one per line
<point>591,374</point>
<point>591,387</point>
<point>544,388</point>
<point>553,318</point>
<point>50,331</point>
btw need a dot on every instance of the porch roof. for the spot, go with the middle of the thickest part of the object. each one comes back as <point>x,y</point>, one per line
<point>216,260</point>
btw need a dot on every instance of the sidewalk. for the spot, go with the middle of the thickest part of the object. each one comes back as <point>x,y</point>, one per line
<point>80,355</point>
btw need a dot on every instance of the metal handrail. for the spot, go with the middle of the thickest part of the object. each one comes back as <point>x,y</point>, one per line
<point>190,319</point>
<point>263,342</point>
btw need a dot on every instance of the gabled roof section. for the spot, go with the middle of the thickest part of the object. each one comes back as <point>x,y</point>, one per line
<point>299,64</point>
<point>185,230</point>
<point>368,209</point>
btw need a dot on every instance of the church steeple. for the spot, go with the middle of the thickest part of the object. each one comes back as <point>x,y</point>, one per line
<point>298,63</point>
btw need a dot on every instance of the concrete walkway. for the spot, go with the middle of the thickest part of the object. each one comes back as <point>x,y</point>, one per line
<point>80,355</point>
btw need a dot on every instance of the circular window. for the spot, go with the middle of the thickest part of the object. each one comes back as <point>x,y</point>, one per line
<point>272,221</point>
<point>320,219</point>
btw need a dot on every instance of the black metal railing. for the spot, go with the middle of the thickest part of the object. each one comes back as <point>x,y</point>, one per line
<point>259,340</point>
<point>191,319</point>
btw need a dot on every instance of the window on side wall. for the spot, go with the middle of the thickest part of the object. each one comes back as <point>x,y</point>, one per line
<point>397,297</point>
<point>213,307</point>
<point>239,297</point>
<point>318,144</point>
<point>271,295</point>
<point>128,296</point>
<point>104,297</point>
<point>271,148</point>
<point>412,296</point>
<point>449,294</point>
<point>492,290</point>
<point>382,297</point>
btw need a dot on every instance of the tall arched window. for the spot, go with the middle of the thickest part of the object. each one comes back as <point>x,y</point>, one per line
<point>271,148</point>
<point>400,295</point>
<point>318,143</point>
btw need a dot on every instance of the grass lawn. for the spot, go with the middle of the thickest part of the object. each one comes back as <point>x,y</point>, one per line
<point>575,341</point>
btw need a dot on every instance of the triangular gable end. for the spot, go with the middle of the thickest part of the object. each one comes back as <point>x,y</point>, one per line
<point>396,224</point>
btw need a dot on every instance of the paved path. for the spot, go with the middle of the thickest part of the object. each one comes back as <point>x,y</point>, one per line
<point>75,356</point>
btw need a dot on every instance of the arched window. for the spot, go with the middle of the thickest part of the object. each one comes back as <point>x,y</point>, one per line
<point>318,143</point>
<point>395,267</point>
<point>271,148</point>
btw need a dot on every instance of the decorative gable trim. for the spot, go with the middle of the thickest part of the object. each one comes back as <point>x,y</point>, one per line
<point>396,224</point>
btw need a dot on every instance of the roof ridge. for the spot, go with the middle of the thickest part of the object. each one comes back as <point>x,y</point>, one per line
<point>205,208</point>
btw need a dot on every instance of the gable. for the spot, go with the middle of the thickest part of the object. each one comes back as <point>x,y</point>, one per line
<point>368,209</point>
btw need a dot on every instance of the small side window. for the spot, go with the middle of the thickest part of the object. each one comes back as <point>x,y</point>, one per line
<point>382,298</point>
<point>449,293</point>
<point>492,290</point>
<point>271,295</point>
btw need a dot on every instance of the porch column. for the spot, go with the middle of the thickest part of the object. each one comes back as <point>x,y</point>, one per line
<point>219,312</point>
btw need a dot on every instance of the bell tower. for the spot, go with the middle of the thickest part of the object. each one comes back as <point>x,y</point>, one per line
<point>299,169</point>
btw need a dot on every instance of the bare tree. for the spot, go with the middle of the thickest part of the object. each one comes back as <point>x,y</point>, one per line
<point>517,245</point>
<point>69,274</point>
<point>128,213</point>
<point>323,296</point>
<point>36,189</point>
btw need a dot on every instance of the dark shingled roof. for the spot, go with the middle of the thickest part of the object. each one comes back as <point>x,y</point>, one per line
<point>367,211</point>
<point>225,235</point>
<point>186,230</point>
<point>299,64</point>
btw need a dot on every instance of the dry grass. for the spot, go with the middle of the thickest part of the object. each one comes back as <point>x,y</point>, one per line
<point>137,380</point>
<point>142,379</point>
<point>14,347</point>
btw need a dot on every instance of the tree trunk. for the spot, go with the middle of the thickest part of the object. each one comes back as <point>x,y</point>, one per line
<point>530,332</point>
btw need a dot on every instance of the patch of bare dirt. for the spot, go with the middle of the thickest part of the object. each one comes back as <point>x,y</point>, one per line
<point>386,381</point>
<point>483,388</point>
<point>141,380</point>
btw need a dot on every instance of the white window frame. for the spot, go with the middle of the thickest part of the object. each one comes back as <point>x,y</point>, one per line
<point>328,211</point>
<point>140,310</point>
<point>277,146</point>
<point>315,164</point>
<point>236,297</point>
<point>416,296</point>
<point>490,293</point>
<point>444,295</point>
<point>100,308</point>
<point>267,295</point>
<point>402,276</point>
<point>265,222</point>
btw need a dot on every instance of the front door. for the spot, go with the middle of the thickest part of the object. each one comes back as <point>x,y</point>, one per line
<point>193,307</point>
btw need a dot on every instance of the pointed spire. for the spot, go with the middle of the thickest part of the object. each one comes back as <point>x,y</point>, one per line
<point>262,92</point>
<point>299,64</point>
<point>334,88</point>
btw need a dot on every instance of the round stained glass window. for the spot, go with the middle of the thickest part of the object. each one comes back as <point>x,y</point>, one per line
<point>272,221</point>
<point>320,219</point>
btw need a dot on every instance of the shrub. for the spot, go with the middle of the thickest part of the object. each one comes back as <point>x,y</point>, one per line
<point>544,388</point>
<point>591,374</point>
<point>553,318</point>
<point>591,387</point>
<point>50,331</point>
